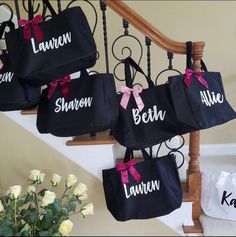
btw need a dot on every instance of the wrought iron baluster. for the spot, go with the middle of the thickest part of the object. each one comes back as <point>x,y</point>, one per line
<point>103,8</point>
<point>148,44</point>
<point>128,49</point>
<point>17,9</point>
<point>59,5</point>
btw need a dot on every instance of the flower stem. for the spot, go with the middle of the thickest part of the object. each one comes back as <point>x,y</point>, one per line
<point>15,214</point>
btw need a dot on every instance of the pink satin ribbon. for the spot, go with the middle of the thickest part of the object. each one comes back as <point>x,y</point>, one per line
<point>126,96</point>
<point>27,30</point>
<point>123,168</point>
<point>188,78</point>
<point>63,84</point>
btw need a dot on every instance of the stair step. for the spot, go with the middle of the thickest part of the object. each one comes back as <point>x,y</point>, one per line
<point>196,228</point>
<point>101,138</point>
<point>29,111</point>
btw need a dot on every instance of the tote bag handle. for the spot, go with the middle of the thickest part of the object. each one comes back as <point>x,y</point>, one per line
<point>129,154</point>
<point>50,8</point>
<point>129,82</point>
<point>189,64</point>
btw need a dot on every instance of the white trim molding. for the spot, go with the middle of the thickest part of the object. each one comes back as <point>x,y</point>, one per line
<point>214,149</point>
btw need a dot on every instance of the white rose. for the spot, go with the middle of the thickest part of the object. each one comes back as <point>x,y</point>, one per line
<point>83,196</point>
<point>49,198</point>
<point>41,177</point>
<point>34,175</point>
<point>56,179</point>
<point>15,191</point>
<point>87,209</point>
<point>31,189</point>
<point>66,227</point>
<point>71,180</point>
<point>1,207</point>
<point>80,189</point>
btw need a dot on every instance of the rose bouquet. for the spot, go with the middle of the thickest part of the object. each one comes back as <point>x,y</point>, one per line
<point>40,212</point>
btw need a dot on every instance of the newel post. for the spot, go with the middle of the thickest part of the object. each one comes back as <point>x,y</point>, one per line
<point>194,172</point>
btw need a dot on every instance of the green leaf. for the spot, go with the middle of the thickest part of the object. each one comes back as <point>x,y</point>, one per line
<point>26,228</point>
<point>6,228</point>
<point>20,203</point>
<point>56,208</point>
<point>47,220</point>
<point>71,207</point>
<point>42,192</point>
<point>57,234</point>
<point>29,198</point>
<point>32,217</point>
<point>44,233</point>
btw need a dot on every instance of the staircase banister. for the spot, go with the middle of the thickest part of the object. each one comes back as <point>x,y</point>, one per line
<point>150,31</point>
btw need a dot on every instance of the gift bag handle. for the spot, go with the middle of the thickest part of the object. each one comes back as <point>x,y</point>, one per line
<point>129,154</point>
<point>50,8</point>
<point>189,64</point>
<point>129,82</point>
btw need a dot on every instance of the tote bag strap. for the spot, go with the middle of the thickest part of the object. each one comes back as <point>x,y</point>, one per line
<point>129,154</point>
<point>50,8</point>
<point>189,64</point>
<point>129,62</point>
<point>189,55</point>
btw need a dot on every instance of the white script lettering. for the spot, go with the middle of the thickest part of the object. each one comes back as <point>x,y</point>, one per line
<point>150,116</point>
<point>53,43</point>
<point>210,98</point>
<point>62,105</point>
<point>6,77</point>
<point>142,188</point>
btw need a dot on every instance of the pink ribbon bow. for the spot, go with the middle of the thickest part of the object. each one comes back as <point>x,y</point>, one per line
<point>188,78</point>
<point>123,168</point>
<point>126,96</point>
<point>63,83</point>
<point>34,23</point>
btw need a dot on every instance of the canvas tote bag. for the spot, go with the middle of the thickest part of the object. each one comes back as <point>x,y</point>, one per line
<point>143,190</point>
<point>146,116</point>
<point>218,196</point>
<point>198,98</point>
<point>14,93</point>
<point>82,105</point>
<point>52,49</point>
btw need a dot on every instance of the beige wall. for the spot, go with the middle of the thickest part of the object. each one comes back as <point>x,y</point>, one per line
<point>21,152</point>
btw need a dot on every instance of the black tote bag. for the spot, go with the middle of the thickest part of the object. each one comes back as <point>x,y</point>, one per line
<point>52,49</point>
<point>155,123</point>
<point>83,105</point>
<point>14,94</point>
<point>142,190</point>
<point>198,98</point>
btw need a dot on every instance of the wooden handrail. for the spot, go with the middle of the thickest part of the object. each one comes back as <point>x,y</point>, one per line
<point>150,31</point>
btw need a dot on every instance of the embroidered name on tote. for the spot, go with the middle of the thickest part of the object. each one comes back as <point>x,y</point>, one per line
<point>6,77</point>
<point>51,44</point>
<point>142,188</point>
<point>210,98</point>
<point>63,106</point>
<point>228,202</point>
<point>150,116</point>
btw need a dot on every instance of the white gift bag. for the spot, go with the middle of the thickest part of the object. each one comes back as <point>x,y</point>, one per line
<point>218,196</point>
